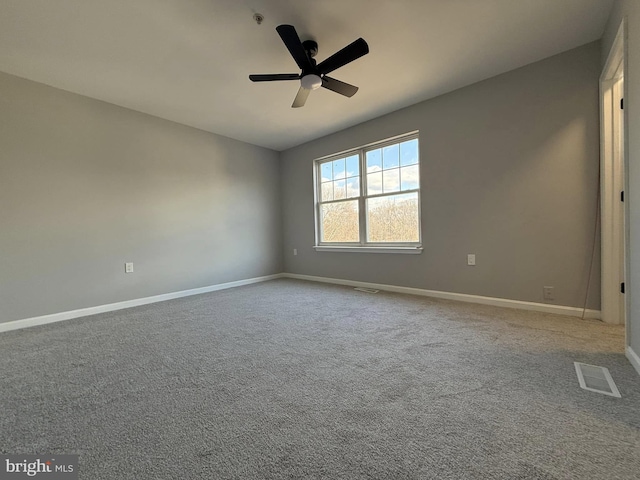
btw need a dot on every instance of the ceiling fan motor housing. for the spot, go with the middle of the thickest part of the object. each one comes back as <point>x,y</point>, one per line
<point>310,79</point>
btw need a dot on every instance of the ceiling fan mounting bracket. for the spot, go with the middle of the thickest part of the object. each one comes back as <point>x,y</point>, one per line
<point>311,47</point>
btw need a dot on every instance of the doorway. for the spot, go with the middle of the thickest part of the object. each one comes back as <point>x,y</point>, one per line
<point>612,185</point>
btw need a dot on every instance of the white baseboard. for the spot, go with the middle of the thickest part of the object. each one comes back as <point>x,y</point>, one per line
<point>461,297</point>
<point>83,312</point>
<point>634,359</point>
<point>498,302</point>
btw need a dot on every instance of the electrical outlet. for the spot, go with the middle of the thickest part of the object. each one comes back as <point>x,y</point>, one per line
<point>547,292</point>
<point>471,259</point>
<point>128,267</point>
<point>295,251</point>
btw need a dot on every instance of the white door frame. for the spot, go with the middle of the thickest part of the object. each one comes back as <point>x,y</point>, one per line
<point>613,164</point>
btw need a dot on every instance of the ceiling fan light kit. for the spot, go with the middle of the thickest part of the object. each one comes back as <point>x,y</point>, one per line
<point>311,82</point>
<point>314,76</point>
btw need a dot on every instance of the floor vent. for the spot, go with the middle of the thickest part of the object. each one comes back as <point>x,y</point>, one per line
<point>596,379</point>
<point>366,290</point>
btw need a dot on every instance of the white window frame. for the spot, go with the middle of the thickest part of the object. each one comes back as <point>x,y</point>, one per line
<point>363,246</point>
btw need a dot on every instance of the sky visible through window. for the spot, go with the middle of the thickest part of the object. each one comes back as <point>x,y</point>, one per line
<point>389,169</point>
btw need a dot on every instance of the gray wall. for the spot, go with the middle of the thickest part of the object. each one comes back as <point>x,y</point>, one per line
<point>86,186</point>
<point>630,9</point>
<point>509,170</point>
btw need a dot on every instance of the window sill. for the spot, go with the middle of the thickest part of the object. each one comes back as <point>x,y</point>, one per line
<point>343,249</point>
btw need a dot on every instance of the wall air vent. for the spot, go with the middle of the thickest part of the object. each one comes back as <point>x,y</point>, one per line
<point>366,290</point>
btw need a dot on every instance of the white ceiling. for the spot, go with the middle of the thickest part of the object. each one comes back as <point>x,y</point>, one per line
<point>189,60</point>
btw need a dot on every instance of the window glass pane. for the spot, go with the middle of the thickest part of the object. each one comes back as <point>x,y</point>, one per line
<point>353,187</point>
<point>340,222</point>
<point>393,218</point>
<point>339,189</point>
<point>374,183</point>
<point>391,180</point>
<point>326,190</point>
<point>410,177</point>
<point>353,166</point>
<point>326,172</point>
<point>374,160</point>
<point>409,152</point>
<point>390,156</point>
<point>338,168</point>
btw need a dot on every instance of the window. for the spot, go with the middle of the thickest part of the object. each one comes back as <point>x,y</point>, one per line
<point>368,199</point>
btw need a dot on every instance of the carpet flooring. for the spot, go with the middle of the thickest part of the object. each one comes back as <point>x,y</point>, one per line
<point>290,379</point>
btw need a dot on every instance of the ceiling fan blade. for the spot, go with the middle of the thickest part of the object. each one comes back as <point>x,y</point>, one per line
<point>294,45</point>
<point>339,87</point>
<point>348,54</point>
<point>301,98</point>
<point>270,77</point>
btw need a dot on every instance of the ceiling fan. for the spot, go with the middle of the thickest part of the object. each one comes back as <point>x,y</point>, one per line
<point>314,76</point>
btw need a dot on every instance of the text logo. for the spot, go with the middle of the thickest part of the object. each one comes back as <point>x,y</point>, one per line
<point>45,467</point>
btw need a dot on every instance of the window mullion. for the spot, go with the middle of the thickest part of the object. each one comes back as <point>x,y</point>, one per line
<point>362,200</point>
